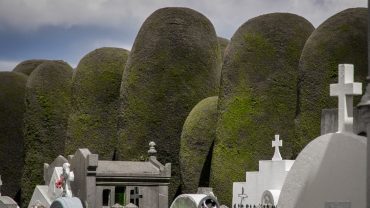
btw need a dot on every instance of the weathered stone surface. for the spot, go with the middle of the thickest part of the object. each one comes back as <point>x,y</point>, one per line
<point>257,96</point>
<point>95,102</point>
<point>223,42</point>
<point>340,39</point>
<point>197,139</point>
<point>48,94</point>
<point>12,108</point>
<point>173,65</point>
<point>330,169</point>
<point>27,67</point>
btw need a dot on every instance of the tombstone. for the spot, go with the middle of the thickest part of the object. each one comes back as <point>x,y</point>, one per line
<point>263,187</point>
<point>331,170</point>
<point>195,201</point>
<point>67,202</point>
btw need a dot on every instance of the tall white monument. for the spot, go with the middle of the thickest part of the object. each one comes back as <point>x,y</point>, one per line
<point>263,186</point>
<point>331,170</point>
<point>345,89</point>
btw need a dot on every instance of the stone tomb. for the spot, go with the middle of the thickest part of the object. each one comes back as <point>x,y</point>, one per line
<point>331,170</point>
<point>100,183</point>
<point>263,187</point>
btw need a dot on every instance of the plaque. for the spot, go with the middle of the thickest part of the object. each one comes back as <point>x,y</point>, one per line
<point>338,205</point>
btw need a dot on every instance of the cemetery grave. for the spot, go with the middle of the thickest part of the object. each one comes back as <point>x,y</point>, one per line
<point>211,104</point>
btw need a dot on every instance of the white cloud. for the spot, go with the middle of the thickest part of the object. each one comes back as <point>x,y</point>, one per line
<point>6,65</point>
<point>227,15</point>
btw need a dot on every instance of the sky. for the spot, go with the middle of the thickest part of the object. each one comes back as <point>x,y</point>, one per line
<point>69,29</point>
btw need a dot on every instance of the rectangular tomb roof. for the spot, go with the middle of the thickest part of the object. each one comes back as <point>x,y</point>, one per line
<point>126,168</point>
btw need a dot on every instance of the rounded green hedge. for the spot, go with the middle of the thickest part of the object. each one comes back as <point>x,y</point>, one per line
<point>12,108</point>
<point>257,96</point>
<point>340,39</point>
<point>27,67</point>
<point>95,102</point>
<point>174,64</point>
<point>48,95</point>
<point>197,139</point>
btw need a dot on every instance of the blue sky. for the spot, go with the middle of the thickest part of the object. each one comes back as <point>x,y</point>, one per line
<point>69,29</point>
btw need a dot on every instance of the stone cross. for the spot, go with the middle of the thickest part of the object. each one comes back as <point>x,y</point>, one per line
<point>242,196</point>
<point>277,143</point>
<point>345,89</point>
<point>135,196</point>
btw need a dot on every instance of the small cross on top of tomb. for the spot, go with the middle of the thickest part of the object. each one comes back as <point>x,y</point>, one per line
<point>344,90</point>
<point>277,143</point>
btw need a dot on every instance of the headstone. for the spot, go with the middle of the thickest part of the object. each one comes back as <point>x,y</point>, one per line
<point>174,64</point>
<point>263,187</point>
<point>331,170</point>
<point>257,96</point>
<point>197,140</point>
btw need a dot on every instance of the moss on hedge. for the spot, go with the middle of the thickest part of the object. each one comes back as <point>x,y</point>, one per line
<point>28,66</point>
<point>257,96</point>
<point>95,103</point>
<point>197,138</point>
<point>12,108</point>
<point>174,63</point>
<point>340,39</point>
<point>48,94</point>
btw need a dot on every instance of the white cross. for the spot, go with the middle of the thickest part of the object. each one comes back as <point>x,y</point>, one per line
<point>345,89</point>
<point>277,143</point>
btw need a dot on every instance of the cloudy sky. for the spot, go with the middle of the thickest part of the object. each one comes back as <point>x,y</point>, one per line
<point>68,29</point>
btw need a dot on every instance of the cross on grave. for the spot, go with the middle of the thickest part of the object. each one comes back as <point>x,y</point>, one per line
<point>242,196</point>
<point>135,196</point>
<point>277,143</point>
<point>67,176</point>
<point>345,89</point>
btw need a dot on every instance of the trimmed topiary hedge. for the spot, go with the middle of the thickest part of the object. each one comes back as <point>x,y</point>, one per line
<point>174,64</point>
<point>257,96</point>
<point>27,67</point>
<point>48,94</point>
<point>197,139</point>
<point>95,103</point>
<point>12,108</point>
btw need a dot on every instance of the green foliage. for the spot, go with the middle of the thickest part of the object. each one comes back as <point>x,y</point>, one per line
<point>174,63</point>
<point>27,67</point>
<point>12,108</point>
<point>197,138</point>
<point>340,39</point>
<point>95,103</point>
<point>259,77</point>
<point>48,94</point>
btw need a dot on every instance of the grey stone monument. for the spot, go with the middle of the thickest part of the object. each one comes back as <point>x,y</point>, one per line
<point>102,183</point>
<point>331,170</point>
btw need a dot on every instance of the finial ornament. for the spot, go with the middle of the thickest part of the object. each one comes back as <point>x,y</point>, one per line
<point>152,151</point>
<point>277,143</point>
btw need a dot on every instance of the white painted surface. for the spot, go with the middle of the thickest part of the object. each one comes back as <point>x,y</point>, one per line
<point>271,176</point>
<point>277,143</point>
<point>40,196</point>
<point>345,89</point>
<point>330,169</point>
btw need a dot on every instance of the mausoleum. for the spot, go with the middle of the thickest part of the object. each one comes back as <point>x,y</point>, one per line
<point>100,183</point>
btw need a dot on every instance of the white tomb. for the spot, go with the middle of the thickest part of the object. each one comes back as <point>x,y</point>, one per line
<point>331,170</point>
<point>263,186</point>
<point>59,186</point>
